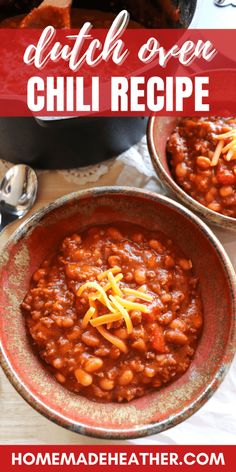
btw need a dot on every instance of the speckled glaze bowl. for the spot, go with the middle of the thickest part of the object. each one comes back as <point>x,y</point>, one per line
<point>158,131</point>
<point>159,410</point>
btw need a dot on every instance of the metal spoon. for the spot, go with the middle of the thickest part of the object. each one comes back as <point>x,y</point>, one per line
<point>18,191</point>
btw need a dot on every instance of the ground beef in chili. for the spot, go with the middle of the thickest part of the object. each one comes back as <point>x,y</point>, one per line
<point>163,339</point>
<point>191,149</point>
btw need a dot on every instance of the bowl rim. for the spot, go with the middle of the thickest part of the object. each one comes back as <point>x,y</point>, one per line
<point>218,376</point>
<point>218,219</point>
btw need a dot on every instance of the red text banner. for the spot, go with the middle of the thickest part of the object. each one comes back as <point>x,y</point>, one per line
<point>136,72</point>
<point>184,458</point>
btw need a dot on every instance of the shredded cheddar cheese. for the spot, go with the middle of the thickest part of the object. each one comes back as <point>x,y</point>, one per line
<point>113,270</point>
<point>130,305</point>
<point>217,153</point>
<point>87,317</point>
<point>100,290</point>
<point>105,319</point>
<point>117,278</point>
<point>119,302</point>
<point>138,294</point>
<point>231,154</point>
<point>92,303</point>
<point>112,339</point>
<point>227,149</point>
<point>116,289</point>
<point>124,312</point>
<point>227,135</point>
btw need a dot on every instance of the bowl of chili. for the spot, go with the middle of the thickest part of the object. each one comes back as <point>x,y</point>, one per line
<point>111,303</point>
<point>194,157</point>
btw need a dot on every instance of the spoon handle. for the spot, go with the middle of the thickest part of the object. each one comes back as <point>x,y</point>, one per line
<point>5,219</point>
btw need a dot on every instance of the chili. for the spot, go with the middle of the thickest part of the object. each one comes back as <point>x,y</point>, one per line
<point>130,356</point>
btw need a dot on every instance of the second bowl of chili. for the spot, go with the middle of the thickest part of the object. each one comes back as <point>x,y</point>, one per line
<point>194,158</point>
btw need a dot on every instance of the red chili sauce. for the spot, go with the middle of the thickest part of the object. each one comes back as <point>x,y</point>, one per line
<point>203,161</point>
<point>156,341</point>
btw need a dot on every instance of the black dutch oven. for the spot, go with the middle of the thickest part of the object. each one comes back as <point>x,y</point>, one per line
<point>78,141</point>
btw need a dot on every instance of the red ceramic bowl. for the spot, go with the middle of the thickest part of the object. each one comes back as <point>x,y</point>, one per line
<point>159,410</point>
